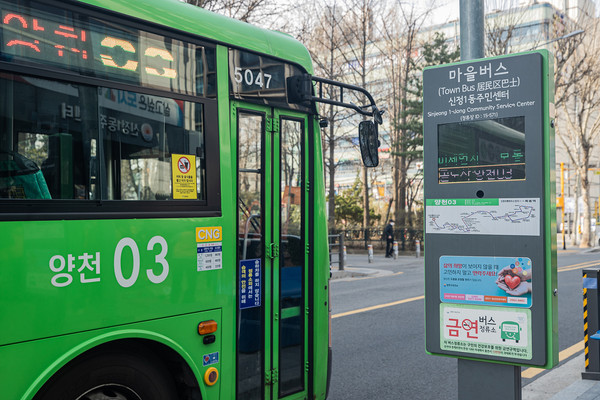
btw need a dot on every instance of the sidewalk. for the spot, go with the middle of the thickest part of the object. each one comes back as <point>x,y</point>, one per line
<point>563,383</point>
<point>358,266</point>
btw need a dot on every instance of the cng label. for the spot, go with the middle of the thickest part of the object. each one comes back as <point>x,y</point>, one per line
<point>209,234</point>
<point>209,248</point>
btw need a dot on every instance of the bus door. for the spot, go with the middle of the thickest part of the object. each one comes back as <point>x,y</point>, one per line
<point>272,334</point>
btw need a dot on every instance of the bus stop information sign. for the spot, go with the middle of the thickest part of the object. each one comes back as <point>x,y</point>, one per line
<point>490,219</point>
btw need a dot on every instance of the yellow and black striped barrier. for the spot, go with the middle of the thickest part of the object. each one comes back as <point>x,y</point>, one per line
<point>591,323</point>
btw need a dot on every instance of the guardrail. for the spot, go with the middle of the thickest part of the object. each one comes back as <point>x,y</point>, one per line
<point>360,238</point>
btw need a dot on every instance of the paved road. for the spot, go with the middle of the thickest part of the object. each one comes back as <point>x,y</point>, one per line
<point>378,330</point>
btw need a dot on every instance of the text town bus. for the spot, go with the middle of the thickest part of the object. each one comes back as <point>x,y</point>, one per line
<point>162,223</point>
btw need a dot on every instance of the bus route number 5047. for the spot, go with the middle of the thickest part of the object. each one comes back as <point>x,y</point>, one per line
<point>248,77</point>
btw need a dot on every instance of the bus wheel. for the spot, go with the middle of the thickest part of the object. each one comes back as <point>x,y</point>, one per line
<point>118,376</point>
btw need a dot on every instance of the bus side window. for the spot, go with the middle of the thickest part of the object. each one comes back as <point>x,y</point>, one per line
<point>143,140</point>
<point>93,143</point>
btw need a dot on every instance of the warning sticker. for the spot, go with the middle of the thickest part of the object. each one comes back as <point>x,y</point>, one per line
<point>250,283</point>
<point>184,176</point>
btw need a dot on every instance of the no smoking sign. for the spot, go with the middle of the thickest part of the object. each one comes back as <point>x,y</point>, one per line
<point>184,165</point>
<point>184,176</point>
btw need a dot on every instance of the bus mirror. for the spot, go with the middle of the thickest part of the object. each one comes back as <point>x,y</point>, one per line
<point>369,143</point>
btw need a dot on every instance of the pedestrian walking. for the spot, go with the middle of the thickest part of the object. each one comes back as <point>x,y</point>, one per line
<point>388,232</point>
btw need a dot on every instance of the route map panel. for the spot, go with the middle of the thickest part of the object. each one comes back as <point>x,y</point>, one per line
<point>483,216</point>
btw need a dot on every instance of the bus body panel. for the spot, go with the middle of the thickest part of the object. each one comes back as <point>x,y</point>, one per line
<point>37,361</point>
<point>31,252</point>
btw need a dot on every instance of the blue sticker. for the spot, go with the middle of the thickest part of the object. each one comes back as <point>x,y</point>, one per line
<point>210,249</point>
<point>250,278</point>
<point>492,281</point>
<point>590,283</point>
<point>210,359</point>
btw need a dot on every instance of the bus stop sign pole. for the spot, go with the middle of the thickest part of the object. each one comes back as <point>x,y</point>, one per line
<point>502,380</point>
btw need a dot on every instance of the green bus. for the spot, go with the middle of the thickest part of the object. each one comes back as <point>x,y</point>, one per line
<point>162,218</point>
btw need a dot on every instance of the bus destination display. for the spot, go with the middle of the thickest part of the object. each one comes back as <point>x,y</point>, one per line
<point>94,48</point>
<point>482,151</point>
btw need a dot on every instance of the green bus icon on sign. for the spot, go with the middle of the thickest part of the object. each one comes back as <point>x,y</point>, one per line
<point>510,330</point>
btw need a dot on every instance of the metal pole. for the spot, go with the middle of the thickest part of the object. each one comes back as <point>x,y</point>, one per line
<point>342,251</point>
<point>471,29</point>
<point>569,195</point>
<point>487,375</point>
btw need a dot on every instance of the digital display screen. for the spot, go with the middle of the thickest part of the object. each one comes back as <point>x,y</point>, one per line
<point>482,151</point>
<point>46,35</point>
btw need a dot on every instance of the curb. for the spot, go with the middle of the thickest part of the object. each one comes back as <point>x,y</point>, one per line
<point>353,272</point>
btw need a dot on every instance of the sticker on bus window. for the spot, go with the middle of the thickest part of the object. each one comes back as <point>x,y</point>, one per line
<point>250,283</point>
<point>184,176</point>
<point>209,248</point>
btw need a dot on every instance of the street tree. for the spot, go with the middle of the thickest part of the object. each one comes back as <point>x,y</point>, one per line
<point>361,61</point>
<point>259,12</point>
<point>503,22</point>
<point>324,40</point>
<point>574,75</point>
<point>434,51</point>
<point>578,119</point>
<point>406,57</point>
<point>399,44</point>
<point>348,212</point>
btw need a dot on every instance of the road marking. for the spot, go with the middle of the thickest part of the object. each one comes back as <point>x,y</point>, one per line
<point>361,310</point>
<point>563,355</point>
<point>579,266</point>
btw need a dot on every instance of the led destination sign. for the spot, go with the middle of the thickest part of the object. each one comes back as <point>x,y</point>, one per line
<point>482,151</point>
<point>96,48</point>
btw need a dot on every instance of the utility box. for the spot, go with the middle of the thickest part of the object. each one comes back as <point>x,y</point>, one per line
<point>490,219</point>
